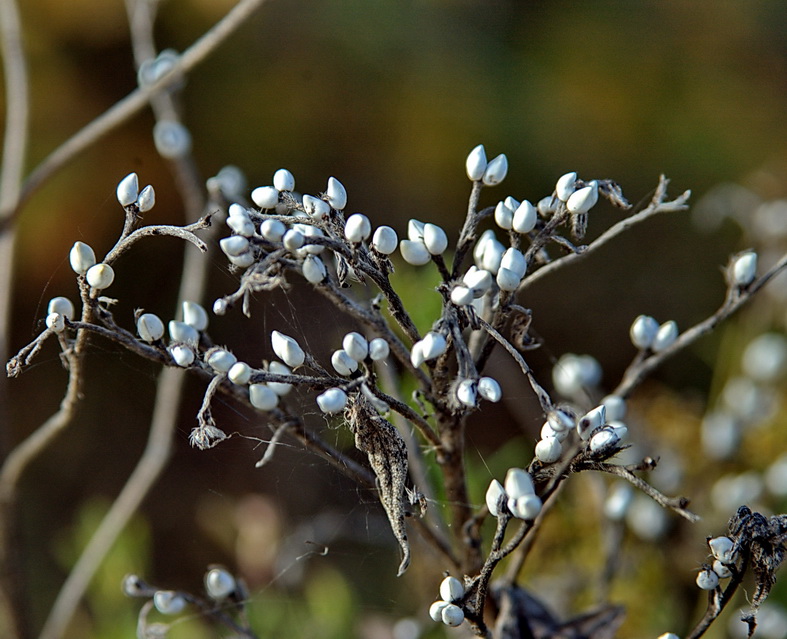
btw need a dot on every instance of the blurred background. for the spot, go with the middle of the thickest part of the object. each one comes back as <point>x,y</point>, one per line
<point>390,97</point>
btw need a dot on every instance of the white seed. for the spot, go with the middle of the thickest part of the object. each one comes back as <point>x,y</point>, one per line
<point>61,305</point>
<point>283,180</point>
<point>436,610</point>
<point>263,397</point>
<point>744,268</point>
<point>417,354</point>
<point>548,431</point>
<point>707,579</point>
<point>518,483</point>
<point>467,392</point>
<point>219,583</point>
<point>462,296</point>
<point>146,199</point>
<point>280,388</point>
<point>182,355</point>
<point>643,331</point>
<point>332,401</point>
<point>565,186</point>
<point>336,194</point>
<point>81,257</point>
<point>150,327</point>
<point>549,450</point>
<point>451,589</point>
<point>525,218</point>
<point>172,139</point>
<point>476,163</point>
<point>603,440</point>
<point>293,239</point>
<point>242,261</point>
<point>494,495</point>
<point>220,307</point>
<point>615,407</point>
<point>496,171</point>
<point>168,602</point>
<point>287,349</point>
<point>721,570</point>
<point>477,279</point>
<point>547,205</point>
<point>100,276</point>
<point>315,207</point>
<point>514,261</point>
<point>504,216</point>
<point>55,322</point>
<point>723,549</point>
<point>378,349</point>
<point>453,615</point>
<point>314,269</point>
<point>480,245</point>
<point>128,190</point>
<point>241,224</point>
<point>526,507</point>
<point>415,230</point>
<point>561,419</point>
<point>273,230</point>
<point>489,389</point>
<point>356,346</point>
<point>266,197</point>
<point>414,252</point>
<point>357,228</point>
<point>385,240</point>
<point>435,239</point>
<point>591,421</point>
<point>433,345</point>
<point>584,199</point>
<point>507,280</point>
<point>342,363</point>
<point>195,315</point>
<point>234,245</point>
<point>620,429</point>
<point>665,336</point>
<point>182,332</point>
<point>492,256</point>
<point>239,373</point>
<point>220,360</point>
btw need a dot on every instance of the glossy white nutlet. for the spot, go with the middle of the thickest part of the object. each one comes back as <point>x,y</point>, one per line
<point>283,180</point>
<point>415,230</point>
<point>489,389</point>
<point>236,210</point>
<point>182,332</point>
<point>287,349</point>
<point>343,364</point>
<point>241,225</point>
<point>514,260</point>
<point>561,419</point>
<point>496,171</point>
<point>332,401</point>
<point>620,429</point>
<point>603,440</point>
<point>507,279</point>
<point>272,230</point>
<point>168,602</point>
<point>336,194</point>
<point>518,483</point>
<point>435,239</point>
<point>220,360</point>
<point>234,245</point>
<point>476,163</point>
<point>452,615</point>
<point>314,269</point>
<point>492,255</point>
<point>665,336</point>
<point>451,589</point>
<point>242,261</point>
<point>723,549</point>
<point>220,307</point>
<point>310,231</point>
<point>55,322</point>
<point>565,185</point>
<point>128,190</point>
<point>591,421</point>
<point>584,199</point>
<point>546,206</point>
<point>614,407</point>
<point>548,450</point>
<point>195,315</point>
<point>172,139</point>
<point>744,268</point>
<point>467,392</point>
<point>525,507</point>
<point>315,207</point>
<point>146,199</point>
<point>436,610</point>
<point>643,331</point>
<point>525,217</point>
<point>494,496</point>
<point>357,228</point>
<point>512,203</point>
<point>462,296</point>
<point>356,346</point>
<point>707,579</point>
<point>62,306</point>
<point>219,583</point>
<point>293,239</point>
<point>182,355</point>
<point>385,240</point>
<point>504,216</point>
<point>433,344</point>
<point>417,354</point>
<point>548,431</point>
<point>414,252</point>
<point>150,327</point>
<point>280,388</point>
<point>81,257</point>
<point>100,276</point>
<point>263,397</point>
<point>477,279</point>
<point>266,197</point>
<point>480,245</point>
<point>240,373</point>
<point>721,569</point>
<point>378,349</point>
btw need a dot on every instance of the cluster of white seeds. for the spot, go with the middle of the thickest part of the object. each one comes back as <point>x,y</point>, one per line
<point>724,555</point>
<point>518,495</point>
<point>447,609</point>
<point>647,334</point>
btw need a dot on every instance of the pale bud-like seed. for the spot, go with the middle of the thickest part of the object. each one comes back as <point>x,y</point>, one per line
<point>182,332</point>
<point>481,243</point>
<point>266,197</point>
<point>477,279</point>
<point>146,199</point>
<point>467,393</point>
<point>378,349</point>
<point>565,186</point>
<point>385,240</point>
<point>239,373</point>
<point>287,349</point>
<point>603,440</point>
<point>342,363</point>
<point>665,336</point>
<point>451,589</point>
<point>548,431</point>
<point>436,610</point>
<point>452,615</point>
<point>414,252</point>
<point>55,322</point>
<point>489,389</point>
<point>332,401</point>
<point>150,327</point>
<point>283,180</point>
<point>234,246</point>
<point>462,296</point>
<point>182,355</point>
<point>81,257</point>
<point>195,315</point>
<point>62,306</point>
<point>336,194</point>
<point>492,256</point>
<point>514,261</point>
<point>172,139</point>
<point>744,268</point>
<point>476,163</point>
<point>721,570</point>
<point>293,239</point>
<point>236,210</point>
<point>723,549</point>
<point>526,507</point>
<point>128,190</point>
<point>494,495</point>
<point>435,239</point>
<point>591,421</point>
<point>263,397</point>
<point>356,346</point>
<point>241,224</point>
<point>547,205</point>
<point>219,583</point>
<point>168,602</point>
<point>433,345</point>
<point>314,269</point>
<point>507,280</point>
<point>548,450</point>
<point>357,228</point>
<point>504,216</point>
<point>518,483</point>
<point>584,199</point>
<point>707,579</point>
<point>496,171</point>
<point>220,307</point>
<point>242,261</point>
<point>615,407</point>
<point>100,276</point>
<point>315,206</point>
<point>220,360</point>
<point>561,419</point>
<point>417,354</point>
<point>643,331</point>
<point>415,230</point>
<point>280,388</point>
<point>525,218</point>
<point>273,230</point>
